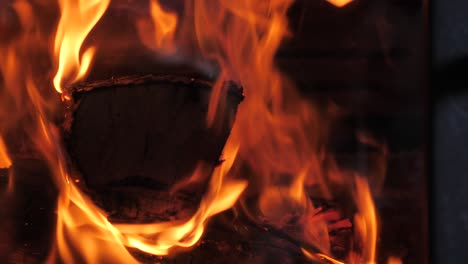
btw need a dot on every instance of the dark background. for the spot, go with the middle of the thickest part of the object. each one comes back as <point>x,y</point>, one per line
<point>449,203</point>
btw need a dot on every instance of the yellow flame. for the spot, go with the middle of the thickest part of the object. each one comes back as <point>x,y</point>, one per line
<point>77,19</point>
<point>339,3</point>
<point>221,196</point>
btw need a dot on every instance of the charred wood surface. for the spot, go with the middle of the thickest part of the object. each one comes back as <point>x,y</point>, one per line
<point>135,130</point>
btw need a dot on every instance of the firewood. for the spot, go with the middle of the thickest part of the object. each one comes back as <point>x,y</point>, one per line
<point>230,239</point>
<point>141,130</point>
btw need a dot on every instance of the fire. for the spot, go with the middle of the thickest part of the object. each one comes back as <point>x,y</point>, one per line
<point>82,227</point>
<point>221,196</point>
<point>278,135</point>
<point>5,161</point>
<point>366,220</point>
<point>282,142</point>
<point>320,256</point>
<point>162,26</point>
<point>78,17</point>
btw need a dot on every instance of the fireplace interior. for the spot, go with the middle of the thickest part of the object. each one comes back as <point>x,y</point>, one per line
<point>137,126</point>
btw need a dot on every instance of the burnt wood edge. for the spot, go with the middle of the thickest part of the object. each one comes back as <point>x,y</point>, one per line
<point>234,90</point>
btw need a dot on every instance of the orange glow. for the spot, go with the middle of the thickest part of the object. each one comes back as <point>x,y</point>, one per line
<point>77,19</point>
<point>5,161</point>
<point>14,67</point>
<point>280,131</point>
<point>394,260</point>
<point>339,3</point>
<point>158,34</point>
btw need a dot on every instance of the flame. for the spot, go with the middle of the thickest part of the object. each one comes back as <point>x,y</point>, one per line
<point>279,142</point>
<point>162,28</point>
<point>12,69</point>
<point>319,256</point>
<point>339,3</point>
<point>221,196</point>
<point>366,220</point>
<point>282,134</point>
<point>77,19</point>
<point>5,161</point>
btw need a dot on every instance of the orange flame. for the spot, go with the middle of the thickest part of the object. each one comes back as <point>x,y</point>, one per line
<point>282,138</point>
<point>279,141</point>
<point>221,196</point>
<point>5,161</point>
<point>163,28</point>
<point>320,257</point>
<point>77,19</point>
<point>366,220</point>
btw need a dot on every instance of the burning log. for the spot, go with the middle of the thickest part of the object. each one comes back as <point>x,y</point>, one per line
<point>132,138</point>
<point>147,130</point>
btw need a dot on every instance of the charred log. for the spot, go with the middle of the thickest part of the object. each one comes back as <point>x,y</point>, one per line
<point>147,131</point>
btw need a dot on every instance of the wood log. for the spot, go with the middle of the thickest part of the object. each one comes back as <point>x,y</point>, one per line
<point>145,130</point>
<point>234,239</point>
